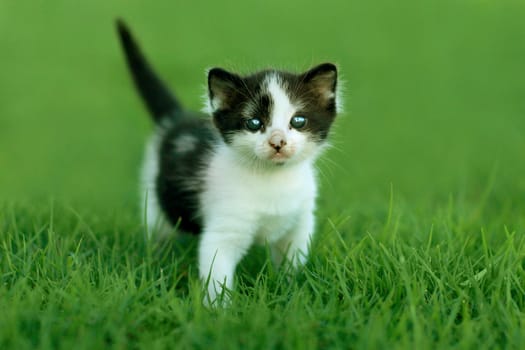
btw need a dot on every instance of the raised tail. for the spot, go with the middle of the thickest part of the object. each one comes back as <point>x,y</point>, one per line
<point>158,99</point>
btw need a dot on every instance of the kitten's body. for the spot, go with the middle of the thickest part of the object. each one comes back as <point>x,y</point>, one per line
<point>247,175</point>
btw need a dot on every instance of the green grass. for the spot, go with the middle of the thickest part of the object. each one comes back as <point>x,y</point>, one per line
<point>421,218</point>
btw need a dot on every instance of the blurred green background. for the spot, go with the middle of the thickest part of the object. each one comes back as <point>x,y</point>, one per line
<point>434,92</point>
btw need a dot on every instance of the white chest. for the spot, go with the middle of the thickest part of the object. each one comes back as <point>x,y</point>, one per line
<point>270,202</point>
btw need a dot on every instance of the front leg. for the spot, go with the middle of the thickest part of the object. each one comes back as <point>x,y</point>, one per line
<point>220,250</point>
<point>295,244</point>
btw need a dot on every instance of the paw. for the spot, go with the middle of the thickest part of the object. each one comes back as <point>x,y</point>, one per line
<point>216,294</point>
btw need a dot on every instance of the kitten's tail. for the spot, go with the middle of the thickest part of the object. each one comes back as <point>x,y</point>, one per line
<point>158,99</point>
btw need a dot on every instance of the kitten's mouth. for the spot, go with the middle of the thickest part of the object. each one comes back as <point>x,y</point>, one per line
<point>279,158</point>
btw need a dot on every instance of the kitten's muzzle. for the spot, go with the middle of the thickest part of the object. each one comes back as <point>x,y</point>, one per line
<point>277,140</point>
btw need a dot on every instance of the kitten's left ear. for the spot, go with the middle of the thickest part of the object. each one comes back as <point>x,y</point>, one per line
<point>323,81</point>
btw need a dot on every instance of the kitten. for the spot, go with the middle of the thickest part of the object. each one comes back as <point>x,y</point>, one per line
<point>244,172</point>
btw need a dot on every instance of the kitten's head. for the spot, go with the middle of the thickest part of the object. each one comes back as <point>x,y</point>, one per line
<point>273,117</point>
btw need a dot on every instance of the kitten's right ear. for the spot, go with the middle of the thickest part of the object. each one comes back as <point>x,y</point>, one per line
<point>222,88</point>
<point>322,81</point>
<point>323,78</point>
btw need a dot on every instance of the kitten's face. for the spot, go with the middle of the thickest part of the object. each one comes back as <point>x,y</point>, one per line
<point>274,118</point>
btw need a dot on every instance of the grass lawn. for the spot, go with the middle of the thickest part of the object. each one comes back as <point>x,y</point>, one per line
<point>420,237</point>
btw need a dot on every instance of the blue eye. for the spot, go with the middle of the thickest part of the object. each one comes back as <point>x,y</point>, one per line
<point>253,124</point>
<point>298,122</point>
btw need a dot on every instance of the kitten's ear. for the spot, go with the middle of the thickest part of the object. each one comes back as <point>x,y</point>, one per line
<point>222,88</point>
<point>323,81</point>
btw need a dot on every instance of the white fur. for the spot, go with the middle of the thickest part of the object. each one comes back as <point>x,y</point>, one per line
<point>241,206</point>
<point>283,110</point>
<point>153,218</point>
<point>185,143</point>
<point>253,197</point>
<point>339,92</point>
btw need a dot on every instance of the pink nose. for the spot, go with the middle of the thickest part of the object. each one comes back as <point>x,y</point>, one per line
<point>277,140</point>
